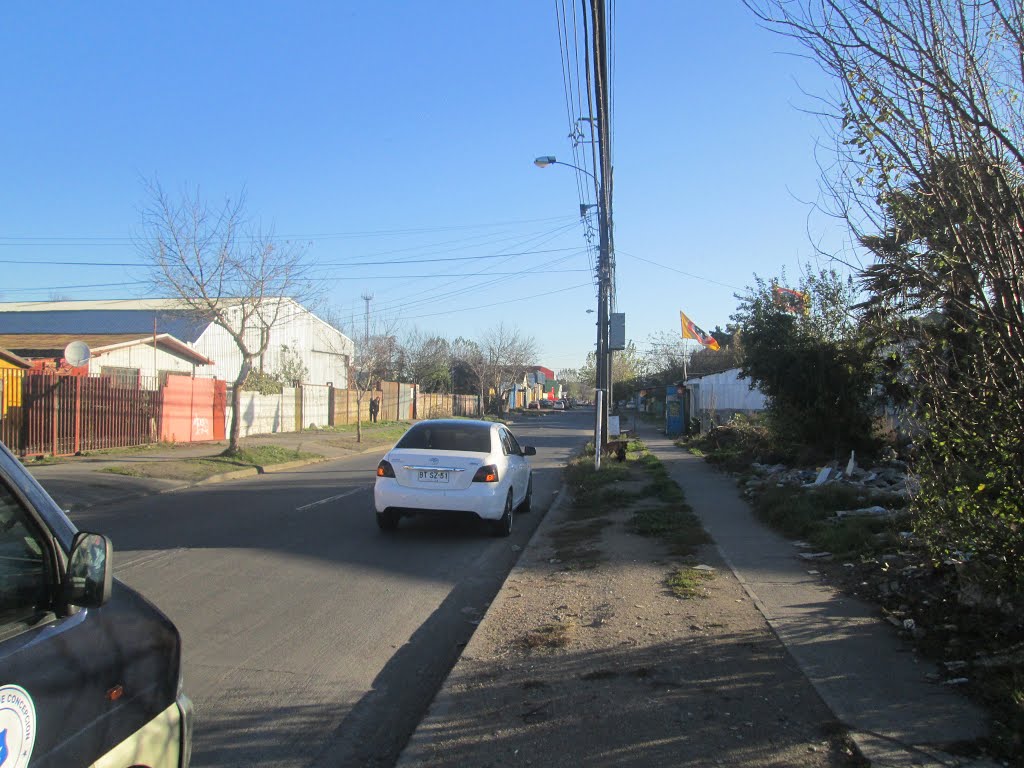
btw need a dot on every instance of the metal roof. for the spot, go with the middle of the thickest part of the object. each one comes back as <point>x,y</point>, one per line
<point>13,359</point>
<point>52,345</point>
<point>182,324</point>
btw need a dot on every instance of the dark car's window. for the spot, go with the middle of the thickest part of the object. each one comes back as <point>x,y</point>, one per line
<point>24,582</point>
<point>447,437</point>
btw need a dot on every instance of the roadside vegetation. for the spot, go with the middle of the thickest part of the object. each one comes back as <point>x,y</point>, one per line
<point>354,437</point>
<point>687,582</point>
<point>201,468</point>
<point>928,159</point>
<point>641,487</point>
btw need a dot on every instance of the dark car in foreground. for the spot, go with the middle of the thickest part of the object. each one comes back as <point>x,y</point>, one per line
<point>90,672</point>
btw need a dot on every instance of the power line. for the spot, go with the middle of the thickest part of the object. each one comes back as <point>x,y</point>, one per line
<point>681,272</point>
<point>119,240</point>
<point>404,302</point>
<point>500,303</point>
<point>48,262</point>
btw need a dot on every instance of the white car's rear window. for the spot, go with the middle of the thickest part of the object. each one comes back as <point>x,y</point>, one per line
<point>447,437</point>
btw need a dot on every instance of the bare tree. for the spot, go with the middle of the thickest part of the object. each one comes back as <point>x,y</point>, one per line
<point>500,359</point>
<point>226,271</point>
<point>375,352</point>
<point>470,355</point>
<point>427,361</point>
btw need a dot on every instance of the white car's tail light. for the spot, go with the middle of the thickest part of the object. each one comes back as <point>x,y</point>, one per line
<point>384,469</point>
<point>486,474</point>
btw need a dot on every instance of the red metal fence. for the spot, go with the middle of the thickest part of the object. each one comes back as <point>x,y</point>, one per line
<point>43,413</point>
<point>63,415</point>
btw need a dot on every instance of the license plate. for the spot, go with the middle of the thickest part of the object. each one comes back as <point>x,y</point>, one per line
<point>432,475</point>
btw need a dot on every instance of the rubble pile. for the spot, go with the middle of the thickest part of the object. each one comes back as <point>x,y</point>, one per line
<point>934,606</point>
<point>937,606</point>
<point>883,489</point>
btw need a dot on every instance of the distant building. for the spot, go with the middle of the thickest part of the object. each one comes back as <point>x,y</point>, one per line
<point>548,373</point>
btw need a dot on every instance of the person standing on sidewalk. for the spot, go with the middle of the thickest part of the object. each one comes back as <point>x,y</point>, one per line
<point>374,408</point>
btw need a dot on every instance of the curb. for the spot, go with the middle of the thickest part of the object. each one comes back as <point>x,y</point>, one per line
<point>234,474</point>
<point>286,465</point>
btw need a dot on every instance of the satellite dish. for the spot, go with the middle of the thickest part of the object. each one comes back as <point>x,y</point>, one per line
<point>77,353</point>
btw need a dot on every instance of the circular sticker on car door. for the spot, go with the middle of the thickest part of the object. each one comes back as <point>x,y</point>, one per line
<point>17,726</point>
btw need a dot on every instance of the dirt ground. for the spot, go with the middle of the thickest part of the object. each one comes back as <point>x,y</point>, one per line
<point>591,660</point>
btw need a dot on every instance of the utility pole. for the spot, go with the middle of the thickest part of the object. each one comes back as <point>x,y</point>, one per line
<point>605,263</point>
<point>367,297</point>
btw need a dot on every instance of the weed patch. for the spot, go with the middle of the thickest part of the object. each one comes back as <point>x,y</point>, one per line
<point>659,506</point>
<point>736,444</point>
<point>810,515</point>
<point>265,455</point>
<point>676,525</point>
<point>594,492</point>
<point>575,544</point>
<point>687,583</point>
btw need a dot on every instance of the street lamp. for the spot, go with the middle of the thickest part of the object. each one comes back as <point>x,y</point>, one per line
<point>604,290</point>
<point>545,160</point>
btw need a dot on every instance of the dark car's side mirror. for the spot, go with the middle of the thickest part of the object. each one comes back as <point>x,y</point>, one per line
<point>529,450</point>
<point>89,578</point>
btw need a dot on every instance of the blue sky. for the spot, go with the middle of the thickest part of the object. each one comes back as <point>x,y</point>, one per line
<point>390,131</point>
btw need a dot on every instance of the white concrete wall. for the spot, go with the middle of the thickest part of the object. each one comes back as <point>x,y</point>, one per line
<point>315,406</point>
<point>265,414</point>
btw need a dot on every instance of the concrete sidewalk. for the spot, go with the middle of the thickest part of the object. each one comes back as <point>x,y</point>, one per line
<point>872,683</point>
<point>868,677</point>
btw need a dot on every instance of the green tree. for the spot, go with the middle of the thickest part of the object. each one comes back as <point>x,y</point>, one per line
<point>575,386</point>
<point>929,141</point>
<point>817,369</point>
<point>428,362</point>
<point>628,370</point>
<point>945,322</point>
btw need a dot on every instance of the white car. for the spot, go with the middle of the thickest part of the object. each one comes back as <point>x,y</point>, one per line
<point>450,466</point>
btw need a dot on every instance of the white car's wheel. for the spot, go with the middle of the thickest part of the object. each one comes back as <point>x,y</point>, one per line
<point>503,527</point>
<point>527,504</point>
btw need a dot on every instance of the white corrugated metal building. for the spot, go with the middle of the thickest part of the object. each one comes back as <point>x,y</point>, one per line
<point>716,397</point>
<point>123,331</point>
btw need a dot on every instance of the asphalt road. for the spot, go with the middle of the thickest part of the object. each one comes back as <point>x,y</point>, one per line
<point>312,638</point>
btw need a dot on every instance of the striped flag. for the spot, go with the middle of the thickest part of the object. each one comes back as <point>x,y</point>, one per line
<point>794,302</point>
<point>693,331</point>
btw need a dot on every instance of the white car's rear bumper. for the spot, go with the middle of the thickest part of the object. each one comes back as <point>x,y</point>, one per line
<point>486,500</point>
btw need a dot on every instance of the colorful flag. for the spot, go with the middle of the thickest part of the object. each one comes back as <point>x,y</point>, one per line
<point>692,331</point>
<point>794,302</point>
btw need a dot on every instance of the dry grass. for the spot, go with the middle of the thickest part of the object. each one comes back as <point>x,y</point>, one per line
<point>550,636</point>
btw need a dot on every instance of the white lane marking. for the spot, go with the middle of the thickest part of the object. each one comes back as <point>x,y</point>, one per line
<point>327,500</point>
<point>146,558</point>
